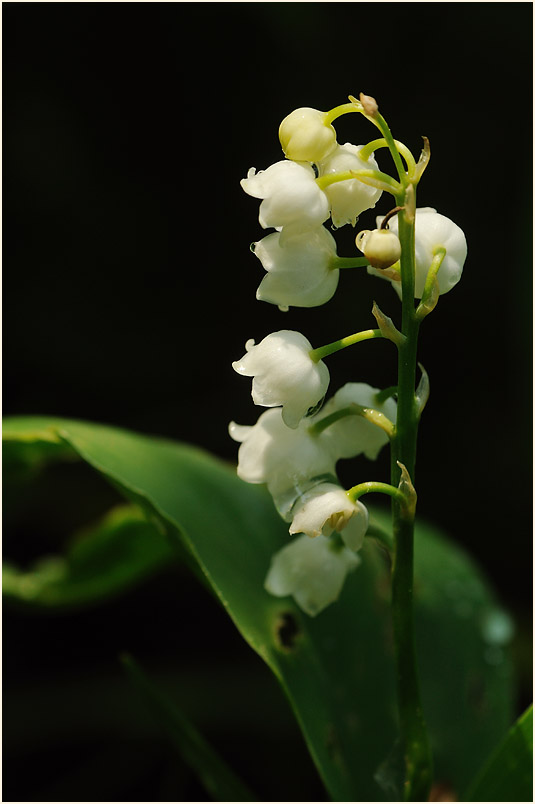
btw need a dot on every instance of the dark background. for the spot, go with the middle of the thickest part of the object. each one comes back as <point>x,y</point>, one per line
<point>129,288</point>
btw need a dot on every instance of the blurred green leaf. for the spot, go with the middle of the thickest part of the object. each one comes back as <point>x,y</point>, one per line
<point>25,454</point>
<point>337,669</point>
<point>104,560</point>
<point>215,775</point>
<point>508,773</point>
<point>35,445</point>
<point>462,637</point>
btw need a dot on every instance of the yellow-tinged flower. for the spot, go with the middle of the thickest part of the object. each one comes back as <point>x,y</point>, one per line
<point>381,247</point>
<point>305,136</point>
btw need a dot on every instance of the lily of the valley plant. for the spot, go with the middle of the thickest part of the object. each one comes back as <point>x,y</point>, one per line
<point>294,446</point>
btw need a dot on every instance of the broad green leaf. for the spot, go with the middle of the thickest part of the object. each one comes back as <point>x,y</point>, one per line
<point>508,773</point>
<point>216,777</point>
<point>103,560</point>
<point>337,668</point>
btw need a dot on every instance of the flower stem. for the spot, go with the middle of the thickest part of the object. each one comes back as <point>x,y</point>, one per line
<point>349,262</point>
<point>386,393</point>
<point>374,178</point>
<point>323,351</point>
<point>431,290</point>
<point>378,179</point>
<point>383,127</point>
<point>370,414</point>
<point>375,486</point>
<point>338,111</point>
<point>413,732</point>
<point>367,150</point>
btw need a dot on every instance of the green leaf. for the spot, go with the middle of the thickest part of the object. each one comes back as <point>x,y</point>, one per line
<point>337,668</point>
<point>508,773</point>
<point>215,775</point>
<point>102,561</point>
<point>462,638</point>
<point>32,442</point>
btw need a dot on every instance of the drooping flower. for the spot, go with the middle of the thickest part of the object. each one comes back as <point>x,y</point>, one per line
<point>350,198</point>
<point>326,508</point>
<point>434,231</point>
<point>305,136</point>
<point>291,198</point>
<point>354,435</point>
<point>284,459</point>
<point>284,374</point>
<point>300,272</point>
<point>313,571</point>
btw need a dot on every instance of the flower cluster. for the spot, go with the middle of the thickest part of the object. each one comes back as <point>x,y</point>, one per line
<point>298,465</point>
<point>295,445</point>
<point>299,194</point>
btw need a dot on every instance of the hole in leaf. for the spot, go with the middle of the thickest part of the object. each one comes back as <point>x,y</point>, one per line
<point>286,631</point>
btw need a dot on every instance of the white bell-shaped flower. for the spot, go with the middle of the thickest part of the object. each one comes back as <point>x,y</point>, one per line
<point>300,272</point>
<point>433,231</point>
<point>326,508</point>
<point>313,571</point>
<point>305,136</point>
<point>354,435</point>
<point>272,453</point>
<point>291,199</point>
<point>284,374</point>
<point>350,198</point>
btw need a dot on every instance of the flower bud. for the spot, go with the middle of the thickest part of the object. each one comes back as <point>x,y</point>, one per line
<point>369,105</point>
<point>381,247</point>
<point>305,137</point>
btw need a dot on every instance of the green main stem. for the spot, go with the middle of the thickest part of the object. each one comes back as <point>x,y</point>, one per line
<point>413,732</point>
<point>415,746</point>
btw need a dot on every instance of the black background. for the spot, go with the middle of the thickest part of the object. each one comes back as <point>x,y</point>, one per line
<point>129,286</point>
